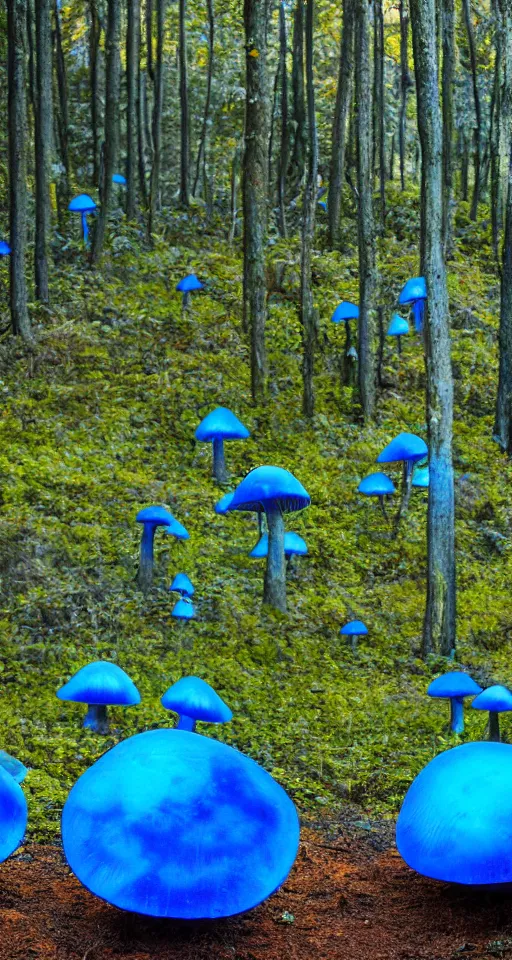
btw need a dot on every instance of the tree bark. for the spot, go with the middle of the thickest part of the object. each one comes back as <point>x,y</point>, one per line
<point>63,112</point>
<point>405,83</point>
<point>477,134</point>
<point>17,120</point>
<point>255,187</point>
<point>274,592</point>
<point>309,317</point>
<point>298,162</point>
<point>503,417</point>
<point>94,80</point>
<point>439,625</point>
<point>184,109</point>
<point>379,128</point>
<point>201,150</point>
<point>448,85</point>
<point>285,146</point>
<point>43,143</point>
<point>157,72</point>
<point>339,126</point>
<point>112,91</point>
<point>132,120</point>
<point>368,333</point>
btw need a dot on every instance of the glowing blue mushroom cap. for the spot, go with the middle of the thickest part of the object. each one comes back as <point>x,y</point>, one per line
<point>189,283</point>
<point>376,485</point>
<point>356,628</point>
<point>184,609</point>
<point>268,487</point>
<point>182,584</point>
<point>496,699</point>
<point>158,516</point>
<point>421,477</point>
<point>176,529</point>
<point>414,289</point>
<point>82,204</point>
<point>13,814</point>
<point>454,824</point>
<point>224,503</point>
<point>118,178</point>
<point>398,326</point>
<point>323,205</point>
<point>100,682</point>
<point>5,249</point>
<point>345,311</point>
<point>406,446</point>
<point>196,698</point>
<point>15,768</point>
<point>294,545</point>
<point>221,424</point>
<point>171,824</point>
<point>453,684</point>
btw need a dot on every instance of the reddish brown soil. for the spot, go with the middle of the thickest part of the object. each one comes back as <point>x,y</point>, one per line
<point>348,900</point>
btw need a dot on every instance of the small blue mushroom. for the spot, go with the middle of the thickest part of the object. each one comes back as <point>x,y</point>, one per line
<point>184,609</point>
<point>181,584</point>
<point>377,485</point>
<point>454,686</point>
<point>354,629</point>
<point>294,545</point>
<point>408,449</point>
<point>119,179</point>
<point>5,249</point>
<point>414,295</point>
<point>421,477</point>
<point>99,685</point>
<point>220,425</point>
<point>151,518</point>
<point>187,286</point>
<point>344,313</point>
<point>496,700</point>
<point>83,204</point>
<point>193,699</point>
<point>398,328</point>
<point>322,204</point>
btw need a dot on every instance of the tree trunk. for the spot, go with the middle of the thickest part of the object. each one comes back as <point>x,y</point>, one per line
<point>158,82</point>
<point>466,8</point>
<point>32,81</point>
<point>368,334</point>
<point>405,83</point>
<point>132,119</point>
<point>439,626</point>
<point>63,113</point>
<point>379,130</point>
<point>94,80</point>
<point>503,418</point>
<point>285,146</point>
<point>112,91</point>
<point>17,120</point>
<point>339,126</point>
<point>142,108</point>
<point>274,592</point>
<point>201,150</point>
<point>255,187</point>
<point>308,312</point>
<point>43,143</point>
<point>298,99</point>
<point>184,110</point>
<point>448,85</point>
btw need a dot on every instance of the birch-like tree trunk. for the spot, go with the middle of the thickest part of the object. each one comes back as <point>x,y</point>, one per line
<point>448,88</point>
<point>405,83</point>
<point>112,91</point>
<point>503,418</point>
<point>477,131</point>
<point>339,126</point>
<point>285,147</point>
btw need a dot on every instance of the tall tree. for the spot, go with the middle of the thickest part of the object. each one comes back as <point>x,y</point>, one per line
<point>448,85</point>
<point>368,325</point>
<point>132,118</point>
<point>112,91</point>
<point>339,125</point>
<point>309,317</point>
<point>477,130</point>
<point>379,105</point>
<point>62,111</point>
<point>285,146</point>
<point>439,626</point>
<point>405,83</point>
<point>94,80</point>
<point>17,120</point>
<point>43,143</point>
<point>156,71</point>
<point>184,109</point>
<point>255,187</point>
<point>503,417</point>
<point>201,150</point>
<point>298,98</point>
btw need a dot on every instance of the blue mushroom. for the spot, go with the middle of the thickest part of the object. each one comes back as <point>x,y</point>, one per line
<point>187,286</point>
<point>15,768</point>
<point>220,425</point>
<point>184,609</point>
<point>294,545</point>
<point>5,249</point>
<point>354,629</point>
<point>322,204</point>
<point>344,313</point>
<point>406,448</point>
<point>454,686</point>
<point>414,295</point>
<point>172,824</point>
<point>377,485</point>
<point>151,518</point>
<point>496,700</point>
<point>398,328</point>
<point>181,584</point>
<point>223,505</point>
<point>193,699</point>
<point>13,814</point>
<point>119,179</point>
<point>99,685</point>
<point>274,491</point>
<point>454,824</point>
<point>421,477</point>
<point>83,204</point>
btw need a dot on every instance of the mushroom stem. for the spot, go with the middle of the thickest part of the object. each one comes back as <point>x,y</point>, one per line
<point>85,228</point>
<point>406,493</point>
<point>418,310</point>
<point>347,364</point>
<point>494,726</point>
<point>145,574</point>
<point>456,714</point>
<point>96,718</point>
<point>383,507</point>
<point>186,723</point>
<point>219,463</point>
<point>185,301</point>
<point>274,592</point>
<point>399,345</point>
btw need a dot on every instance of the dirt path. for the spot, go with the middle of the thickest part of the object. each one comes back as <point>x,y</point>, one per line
<point>346,899</point>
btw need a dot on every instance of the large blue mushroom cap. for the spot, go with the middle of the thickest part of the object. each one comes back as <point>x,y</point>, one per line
<point>196,698</point>
<point>356,628</point>
<point>345,311</point>
<point>421,477</point>
<point>221,424</point>
<point>224,503</point>
<point>453,684</point>
<point>189,283</point>
<point>183,610</point>
<point>13,814</point>
<point>376,485</point>
<point>398,326</point>
<point>118,178</point>
<point>294,545</point>
<point>406,446</point>
<point>5,249</point>
<point>100,682</point>
<point>496,699</point>
<point>268,487</point>
<point>82,204</point>
<point>171,824</point>
<point>182,584</point>
<point>159,516</point>
<point>414,289</point>
<point>455,821</point>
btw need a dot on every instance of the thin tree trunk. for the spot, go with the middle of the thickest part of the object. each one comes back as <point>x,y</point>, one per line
<point>132,119</point>
<point>158,82</point>
<point>439,626</point>
<point>339,126</point>
<point>273,119</point>
<point>368,333</point>
<point>255,187</point>
<point>379,130</point>
<point>466,8</point>
<point>63,113</point>
<point>17,121</point>
<point>503,418</point>
<point>309,317</point>
<point>32,82</point>
<point>201,150</point>
<point>142,108</point>
<point>94,80</point>
<point>405,83</point>
<point>285,145</point>
<point>112,91</point>
<point>298,98</point>
<point>448,85</point>
<point>184,109</point>
<point>43,143</point>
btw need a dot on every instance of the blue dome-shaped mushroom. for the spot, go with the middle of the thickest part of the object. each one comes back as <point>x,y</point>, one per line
<point>186,286</point>
<point>193,699</point>
<point>398,328</point>
<point>119,179</point>
<point>496,699</point>
<point>354,629</point>
<point>13,814</point>
<point>406,447</point>
<point>345,311</point>
<point>182,584</point>
<point>454,686</point>
<point>5,249</point>
<point>184,609</point>
<point>421,477</point>
<point>151,518</point>
<point>414,295</point>
<point>294,545</point>
<point>220,425</point>
<point>171,824</point>
<point>377,485</point>
<point>83,204</point>
<point>454,824</point>
<point>99,685</point>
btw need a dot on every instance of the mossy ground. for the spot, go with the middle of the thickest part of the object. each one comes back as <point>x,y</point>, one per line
<point>100,421</point>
